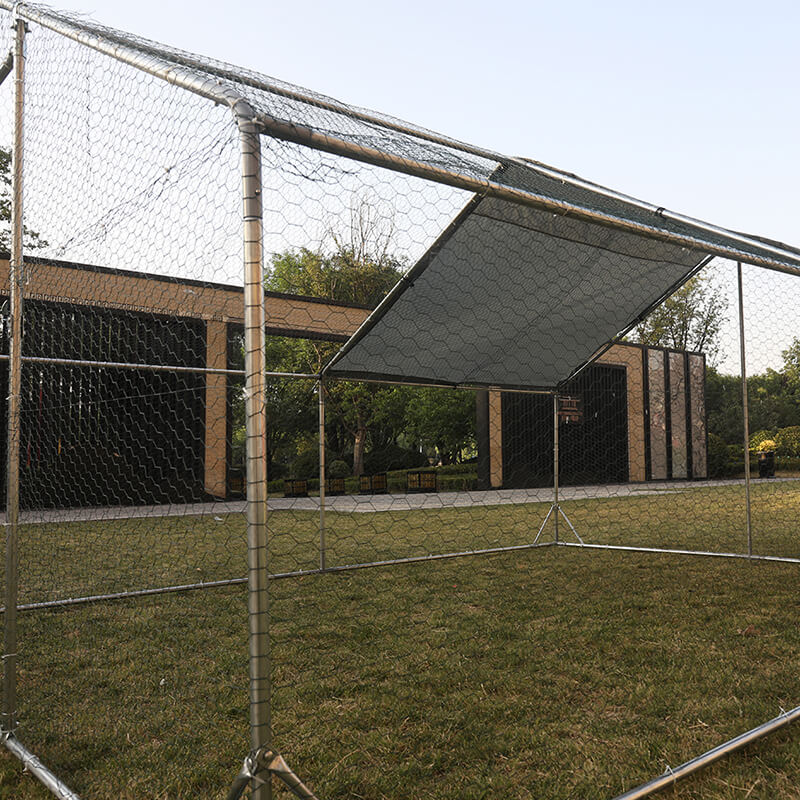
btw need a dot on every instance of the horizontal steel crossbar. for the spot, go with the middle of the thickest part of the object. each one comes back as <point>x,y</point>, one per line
<point>302,573</point>
<point>674,552</point>
<point>33,765</point>
<point>709,757</point>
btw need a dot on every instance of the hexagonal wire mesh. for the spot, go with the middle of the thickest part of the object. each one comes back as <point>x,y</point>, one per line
<point>456,353</point>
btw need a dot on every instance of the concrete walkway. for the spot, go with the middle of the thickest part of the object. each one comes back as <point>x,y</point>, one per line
<point>384,502</point>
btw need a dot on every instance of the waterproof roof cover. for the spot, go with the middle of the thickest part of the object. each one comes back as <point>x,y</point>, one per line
<point>535,275</point>
<point>512,296</point>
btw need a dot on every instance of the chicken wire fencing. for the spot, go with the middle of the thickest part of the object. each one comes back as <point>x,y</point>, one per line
<point>307,358</point>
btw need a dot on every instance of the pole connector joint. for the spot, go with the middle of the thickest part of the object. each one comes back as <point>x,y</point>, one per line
<point>267,760</point>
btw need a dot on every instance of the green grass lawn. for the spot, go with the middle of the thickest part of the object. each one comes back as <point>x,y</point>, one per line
<point>552,673</point>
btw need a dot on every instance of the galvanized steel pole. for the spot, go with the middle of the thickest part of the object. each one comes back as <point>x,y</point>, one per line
<point>745,415</point>
<point>556,507</point>
<point>36,768</point>
<point>668,778</point>
<point>323,558</point>
<point>256,448</point>
<point>14,392</point>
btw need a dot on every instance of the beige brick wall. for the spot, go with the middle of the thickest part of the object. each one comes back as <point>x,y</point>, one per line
<point>216,432</point>
<point>631,359</point>
<point>495,440</point>
<point>216,305</point>
<point>140,293</point>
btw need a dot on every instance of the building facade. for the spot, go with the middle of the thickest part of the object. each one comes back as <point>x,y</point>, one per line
<point>120,430</point>
<point>635,414</point>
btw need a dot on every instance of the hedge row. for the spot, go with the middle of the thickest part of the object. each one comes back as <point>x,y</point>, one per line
<point>448,482</point>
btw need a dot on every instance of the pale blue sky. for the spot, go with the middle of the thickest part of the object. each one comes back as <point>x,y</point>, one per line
<point>690,105</point>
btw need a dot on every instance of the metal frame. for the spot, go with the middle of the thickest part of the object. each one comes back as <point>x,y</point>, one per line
<point>251,126</point>
<point>555,509</point>
<point>9,710</point>
<point>323,551</point>
<point>256,424</point>
<point>745,414</point>
<point>329,143</point>
<point>709,757</point>
<point>75,362</point>
<point>14,390</point>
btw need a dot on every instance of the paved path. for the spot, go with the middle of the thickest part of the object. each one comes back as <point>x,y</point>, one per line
<point>384,502</point>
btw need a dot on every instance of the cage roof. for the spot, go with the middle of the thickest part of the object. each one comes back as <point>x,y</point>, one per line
<point>513,297</point>
<point>533,277</point>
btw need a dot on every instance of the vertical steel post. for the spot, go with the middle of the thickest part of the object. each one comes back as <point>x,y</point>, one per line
<point>323,558</point>
<point>256,452</point>
<point>556,506</point>
<point>14,392</point>
<point>745,416</point>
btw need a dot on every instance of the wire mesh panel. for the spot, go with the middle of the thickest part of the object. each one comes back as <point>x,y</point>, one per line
<point>682,488</point>
<point>771,342</point>
<point>132,277</point>
<point>426,353</point>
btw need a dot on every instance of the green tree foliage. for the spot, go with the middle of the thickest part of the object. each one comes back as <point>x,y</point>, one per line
<point>31,239</point>
<point>791,367</point>
<point>386,421</point>
<point>787,441</point>
<point>773,399</point>
<point>356,409</point>
<point>442,420</point>
<point>690,319</point>
<point>341,276</point>
<point>360,270</point>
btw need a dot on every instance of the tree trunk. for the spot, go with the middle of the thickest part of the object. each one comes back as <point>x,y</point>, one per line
<point>359,443</point>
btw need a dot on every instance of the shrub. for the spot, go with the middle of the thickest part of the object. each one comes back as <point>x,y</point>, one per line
<point>339,469</point>
<point>458,483</point>
<point>393,457</point>
<point>306,465</point>
<point>458,469</point>
<point>787,441</point>
<point>718,457</point>
<point>758,439</point>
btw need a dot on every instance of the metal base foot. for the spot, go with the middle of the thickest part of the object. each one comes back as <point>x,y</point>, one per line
<point>259,766</point>
<point>555,507</point>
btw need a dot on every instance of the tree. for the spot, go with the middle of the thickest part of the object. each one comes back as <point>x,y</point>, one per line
<point>31,239</point>
<point>791,366</point>
<point>689,319</point>
<point>360,270</point>
<point>443,419</point>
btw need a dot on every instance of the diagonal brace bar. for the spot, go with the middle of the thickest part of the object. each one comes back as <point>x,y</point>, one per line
<point>556,509</point>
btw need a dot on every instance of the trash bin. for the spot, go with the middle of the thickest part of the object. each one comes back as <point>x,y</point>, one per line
<point>295,487</point>
<point>422,481</point>
<point>766,464</point>
<point>334,487</point>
